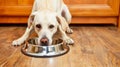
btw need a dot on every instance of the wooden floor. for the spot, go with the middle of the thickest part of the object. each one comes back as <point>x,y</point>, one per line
<point>95,46</point>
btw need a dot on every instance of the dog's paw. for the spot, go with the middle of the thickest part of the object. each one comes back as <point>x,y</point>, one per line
<point>17,42</point>
<point>69,41</point>
<point>69,31</point>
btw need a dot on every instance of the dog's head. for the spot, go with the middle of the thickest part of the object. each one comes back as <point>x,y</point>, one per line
<point>45,24</point>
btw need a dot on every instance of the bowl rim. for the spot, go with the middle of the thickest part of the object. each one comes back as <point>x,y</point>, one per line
<point>62,42</point>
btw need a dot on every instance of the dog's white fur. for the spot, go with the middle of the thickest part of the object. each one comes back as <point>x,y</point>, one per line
<point>46,13</point>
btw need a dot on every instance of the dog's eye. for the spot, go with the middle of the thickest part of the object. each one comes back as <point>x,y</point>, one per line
<point>51,26</point>
<point>38,26</point>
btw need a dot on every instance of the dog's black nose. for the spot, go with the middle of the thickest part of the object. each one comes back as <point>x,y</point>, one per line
<point>44,41</point>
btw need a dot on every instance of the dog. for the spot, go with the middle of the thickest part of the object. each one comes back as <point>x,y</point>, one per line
<point>46,18</point>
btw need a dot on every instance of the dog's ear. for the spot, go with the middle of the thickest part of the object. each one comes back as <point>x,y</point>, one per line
<point>31,19</point>
<point>62,22</point>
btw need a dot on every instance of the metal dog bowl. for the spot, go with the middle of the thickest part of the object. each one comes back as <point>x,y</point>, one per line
<point>31,48</point>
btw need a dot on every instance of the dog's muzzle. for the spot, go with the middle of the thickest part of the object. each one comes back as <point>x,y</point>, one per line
<point>44,41</point>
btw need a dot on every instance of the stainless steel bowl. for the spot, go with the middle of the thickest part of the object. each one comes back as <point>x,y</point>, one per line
<point>31,48</point>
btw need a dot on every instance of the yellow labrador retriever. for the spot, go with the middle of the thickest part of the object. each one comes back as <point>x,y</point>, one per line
<point>46,18</point>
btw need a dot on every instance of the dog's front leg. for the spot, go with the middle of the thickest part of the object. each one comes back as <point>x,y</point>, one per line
<point>67,39</point>
<point>21,40</point>
<point>66,14</point>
